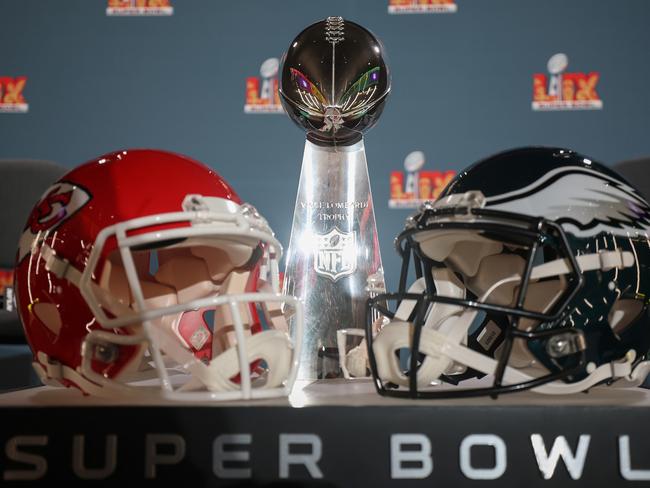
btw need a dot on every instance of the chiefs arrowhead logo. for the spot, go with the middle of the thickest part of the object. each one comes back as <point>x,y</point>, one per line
<point>44,215</point>
<point>59,203</point>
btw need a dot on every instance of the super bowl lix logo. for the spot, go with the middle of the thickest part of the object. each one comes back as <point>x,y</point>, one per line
<point>11,94</point>
<point>335,254</point>
<point>421,6</point>
<point>565,91</point>
<point>7,290</point>
<point>413,187</point>
<point>262,93</point>
<point>139,7</point>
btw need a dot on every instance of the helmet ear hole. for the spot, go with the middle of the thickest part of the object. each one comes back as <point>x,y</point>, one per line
<point>624,312</point>
<point>49,315</point>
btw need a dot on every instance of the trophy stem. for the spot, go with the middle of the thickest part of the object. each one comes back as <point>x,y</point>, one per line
<point>333,251</point>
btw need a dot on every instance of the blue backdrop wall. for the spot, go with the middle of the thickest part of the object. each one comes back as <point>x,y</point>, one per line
<point>462,86</point>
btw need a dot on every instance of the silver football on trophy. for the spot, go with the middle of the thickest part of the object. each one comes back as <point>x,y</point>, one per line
<point>335,81</point>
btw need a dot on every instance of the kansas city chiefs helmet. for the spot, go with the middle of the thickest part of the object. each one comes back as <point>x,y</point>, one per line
<point>532,267</point>
<point>142,273</point>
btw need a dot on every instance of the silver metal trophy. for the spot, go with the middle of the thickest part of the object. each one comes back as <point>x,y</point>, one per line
<point>334,85</point>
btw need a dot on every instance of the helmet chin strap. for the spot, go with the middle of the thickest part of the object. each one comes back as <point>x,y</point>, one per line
<point>437,361</point>
<point>434,344</point>
<point>271,346</point>
<point>452,321</point>
<point>621,370</point>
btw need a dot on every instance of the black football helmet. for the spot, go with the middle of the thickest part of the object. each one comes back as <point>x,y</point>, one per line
<point>532,267</point>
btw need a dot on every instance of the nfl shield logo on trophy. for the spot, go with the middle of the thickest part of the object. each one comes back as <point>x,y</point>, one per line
<point>336,254</point>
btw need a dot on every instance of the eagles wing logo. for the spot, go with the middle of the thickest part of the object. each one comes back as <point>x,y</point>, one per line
<point>598,202</point>
<point>59,203</point>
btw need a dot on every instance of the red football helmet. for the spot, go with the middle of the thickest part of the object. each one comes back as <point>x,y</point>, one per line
<point>144,264</point>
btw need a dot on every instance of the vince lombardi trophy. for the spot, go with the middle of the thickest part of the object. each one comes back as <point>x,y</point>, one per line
<point>334,85</point>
